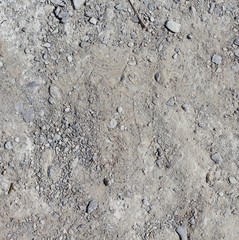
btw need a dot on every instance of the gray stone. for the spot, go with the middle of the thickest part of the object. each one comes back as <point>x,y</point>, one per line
<point>157,77</point>
<point>236,52</point>
<point>8,145</point>
<point>182,232</point>
<point>112,124</point>
<point>232,180</point>
<point>186,107</point>
<point>93,21</point>
<point>216,157</point>
<point>171,102</point>
<point>92,206</point>
<point>54,92</point>
<point>173,26</point>
<point>28,115</point>
<point>77,3</point>
<point>217,59</point>
<point>236,42</point>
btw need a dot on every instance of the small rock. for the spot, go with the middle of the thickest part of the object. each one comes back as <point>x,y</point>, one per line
<point>61,14</point>
<point>236,42</point>
<point>236,52</point>
<point>232,180</point>
<point>92,206</point>
<point>171,102</point>
<point>186,107</point>
<point>77,3</point>
<point>157,77</point>
<point>54,92</point>
<point>135,19</point>
<point>158,163</point>
<point>67,109</point>
<point>8,145</point>
<point>93,21</point>
<point>1,64</point>
<point>112,124</point>
<point>69,58</point>
<point>217,59</point>
<point>182,232</point>
<point>173,26</point>
<point>216,157</point>
<point>46,45</point>
<point>120,109</point>
<point>28,115</point>
<point>106,181</point>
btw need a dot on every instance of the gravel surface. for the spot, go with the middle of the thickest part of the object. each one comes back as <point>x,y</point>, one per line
<point>119,120</point>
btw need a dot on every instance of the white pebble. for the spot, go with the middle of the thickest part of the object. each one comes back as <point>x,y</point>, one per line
<point>8,145</point>
<point>217,158</point>
<point>112,124</point>
<point>217,59</point>
<point>120,109</point>
<point>69,58</point>
<point>173,26</point>
<point>93,21</point>
<point>77,3</point>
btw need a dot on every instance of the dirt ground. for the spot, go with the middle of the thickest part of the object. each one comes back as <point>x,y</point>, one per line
<point>118,120</point>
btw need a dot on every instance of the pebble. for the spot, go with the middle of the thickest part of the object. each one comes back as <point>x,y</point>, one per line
<point>186,107</point>
<point>112,124</point>
<point>216,157</point>
<point>69,58</point>
<point>8,145</point>
<point>106,181</point>
<point>92,206</point>
<point>157,77</point>
<point>1,64</point>
<point>182,232</point>
<point>171,102</point>
<point>232,180</point>
<point>93,21</point>
<point>46,45</point>
<point>28,115</point>
<point>236,52</point>
<point>54,92</point>
<point>217,59</point>
<point>173,26</point>
<point>77,3</point>
<point>236,42</point>
<point>120,109</point>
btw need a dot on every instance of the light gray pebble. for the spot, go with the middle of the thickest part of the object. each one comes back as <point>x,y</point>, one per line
<point>54,92</point>
<point>92,206</point>
<point>157,77</point>
<point>1,64</point>
<point>232,180</point>
<point>236,42</point>
<point>112,124</point>
<point>171,102</point>
<point>236,52</point>
<point>69,58</point>
<point>216,157</point>
<point>8,145</point>
<point>93,21</point>
<point>173,26</point>
<point>186,107</point>
<point>182,232</point>
<point>135,19</point>
<point>77,3</point>
<point>51,100</point>
<point>28,115</point>
<point>120,109</point>
<point>217,59</point>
